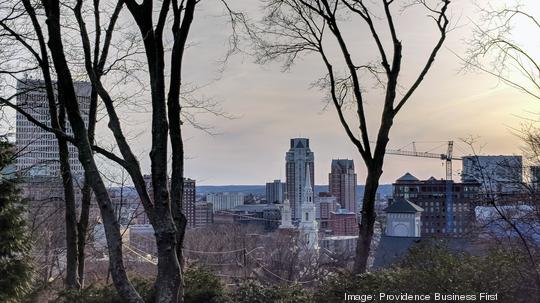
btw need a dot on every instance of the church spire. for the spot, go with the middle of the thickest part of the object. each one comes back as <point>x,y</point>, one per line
<point>308,224</point>
<point>308,178</point>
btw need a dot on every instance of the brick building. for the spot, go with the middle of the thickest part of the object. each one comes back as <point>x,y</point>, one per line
<point>431,196</point>
<point>343,223</point>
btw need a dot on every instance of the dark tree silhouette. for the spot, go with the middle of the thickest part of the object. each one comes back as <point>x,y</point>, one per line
<point>15,268</point>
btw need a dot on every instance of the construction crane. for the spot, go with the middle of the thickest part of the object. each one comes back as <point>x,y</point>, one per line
<point>448,157</point>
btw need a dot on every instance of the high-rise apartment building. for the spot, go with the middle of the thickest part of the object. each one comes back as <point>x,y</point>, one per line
<point>37,148</point>
<point>188,203</point>
<point>275,192</point>
<point>342,183</point>
<point>298,159</point>
<point>189,196</point>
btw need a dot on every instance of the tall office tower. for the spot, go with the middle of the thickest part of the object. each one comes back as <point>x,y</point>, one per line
<point>38,149</point>
<point>275,191</point>
<point>298,159</point>
<point>188,202</point>
<point>342,183</point>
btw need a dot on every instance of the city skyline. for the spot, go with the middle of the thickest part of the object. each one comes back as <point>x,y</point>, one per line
<point>273,106</point>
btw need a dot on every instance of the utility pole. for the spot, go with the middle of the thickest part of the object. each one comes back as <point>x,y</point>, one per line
<point>245,255</point>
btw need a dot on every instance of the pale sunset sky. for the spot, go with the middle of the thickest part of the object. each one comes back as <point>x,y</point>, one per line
<point>273,106</point>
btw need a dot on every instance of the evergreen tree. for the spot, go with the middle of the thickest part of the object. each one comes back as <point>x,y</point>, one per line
<point>15,268</point>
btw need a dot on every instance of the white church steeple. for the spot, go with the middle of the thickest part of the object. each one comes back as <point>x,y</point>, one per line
<point>286,216</point>
<point>308,225</point>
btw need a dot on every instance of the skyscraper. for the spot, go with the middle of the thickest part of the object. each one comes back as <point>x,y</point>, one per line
<point>275,191</point>
<point>342,183</point>
<point>298,159</point>
<point>38,149</point>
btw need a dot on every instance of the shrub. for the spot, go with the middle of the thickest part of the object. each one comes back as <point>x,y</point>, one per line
<point>431,269</point>
<point>254,292</point>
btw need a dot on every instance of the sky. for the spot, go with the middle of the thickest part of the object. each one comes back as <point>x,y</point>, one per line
<point>271,105</point>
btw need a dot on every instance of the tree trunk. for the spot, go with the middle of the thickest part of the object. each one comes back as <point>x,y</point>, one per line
<point>169,279</point>
<point>367,223</point>
<point>82,228</point>
<point>72,276</point>
<point>66,87</point>
<point>86,199</point>
<point>374,166</point>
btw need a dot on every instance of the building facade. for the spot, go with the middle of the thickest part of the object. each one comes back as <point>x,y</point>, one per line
<point>299,159</point>
<point>286,215</point>
<point>342,183</point>
<point>325,203</point>
<point>225,200</point>
<point>431,196</point>
<point>189,197</point>
<point>496,174</point>
<point>343,223</point>
<point>403,219</point>
<point>204,214</point>
<point>267,216</point>
<point>188,203</point>
<point>275,191</point>
<point>38,153</point>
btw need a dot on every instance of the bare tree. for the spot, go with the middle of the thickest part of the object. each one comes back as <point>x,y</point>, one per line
<point>22,28</point>
<point>294,27</point>
<point>493,48</point>
<point>511,218</point>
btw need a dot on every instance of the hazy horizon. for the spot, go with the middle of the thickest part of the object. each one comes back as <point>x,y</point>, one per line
<point>275,106</point>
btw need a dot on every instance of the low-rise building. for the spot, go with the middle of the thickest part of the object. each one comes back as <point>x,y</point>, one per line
<point>343,223</point>
<point>266,215</point>
<point>339,245</point>
<point>225,200</point>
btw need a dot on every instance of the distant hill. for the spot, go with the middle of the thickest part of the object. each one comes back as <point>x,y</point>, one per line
<point>384,189</point>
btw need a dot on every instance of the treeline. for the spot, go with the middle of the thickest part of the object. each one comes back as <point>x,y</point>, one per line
<point>426,270</point>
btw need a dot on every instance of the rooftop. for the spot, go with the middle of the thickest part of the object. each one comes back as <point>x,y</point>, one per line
<point>407,178</point>
<point>401,205</point>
